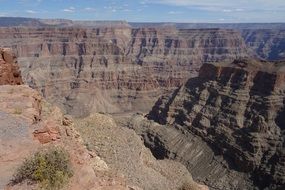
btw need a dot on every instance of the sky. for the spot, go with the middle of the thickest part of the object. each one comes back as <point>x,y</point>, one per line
<point>213,11</point>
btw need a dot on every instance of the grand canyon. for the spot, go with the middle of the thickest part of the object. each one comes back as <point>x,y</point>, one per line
<point>145,105</point>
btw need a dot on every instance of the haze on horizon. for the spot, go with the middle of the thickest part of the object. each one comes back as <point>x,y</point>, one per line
<point>216,11</point>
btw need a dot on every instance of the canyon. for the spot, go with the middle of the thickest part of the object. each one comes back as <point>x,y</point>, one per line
<point>119,68</point>
<point>210,96</point>
<point>116,69</point>
<point>28,124</point>
<point>237,108</point>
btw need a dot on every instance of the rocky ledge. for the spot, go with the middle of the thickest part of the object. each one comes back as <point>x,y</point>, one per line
<point>238,109</point>
<point>9,70</point>
<point>29,124</point>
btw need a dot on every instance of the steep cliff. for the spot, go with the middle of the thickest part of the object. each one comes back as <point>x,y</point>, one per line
<point>9,70</point>
<point>237,108</point>
<point>29,124</point>
<point>117,69</point>
<point>269,44</point>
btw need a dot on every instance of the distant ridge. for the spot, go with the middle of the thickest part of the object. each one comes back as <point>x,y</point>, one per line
<point>19,21</point>
<point>239,26</point>
<point>35,22</point>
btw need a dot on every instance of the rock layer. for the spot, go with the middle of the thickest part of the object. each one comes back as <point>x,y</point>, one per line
<point>9,70</point>
<point>238,109</point>
<point>118,69</point>
<point>27,122</point>
<point>269,44</point>
<point>206,166</point>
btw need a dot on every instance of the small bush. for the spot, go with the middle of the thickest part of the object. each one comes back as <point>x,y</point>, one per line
<point>50,168</point>
<point>18,111</point>
<point>189,186</point>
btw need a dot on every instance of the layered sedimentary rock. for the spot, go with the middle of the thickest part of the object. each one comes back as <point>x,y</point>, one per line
<point>117,69</point>
<point>9,70</point>
<point>237,108</point>
<point>29,124</point>
<point>206,166</point>
<point>267,43</point>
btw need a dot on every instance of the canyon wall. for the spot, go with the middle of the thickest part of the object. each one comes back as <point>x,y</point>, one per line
<point>29,124</point>
<point>237,108</point>
<point>116,69</point>
<point>269,44</point>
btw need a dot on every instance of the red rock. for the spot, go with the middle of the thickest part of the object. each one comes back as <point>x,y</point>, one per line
<point>9,71</point>
<point>49,132</point>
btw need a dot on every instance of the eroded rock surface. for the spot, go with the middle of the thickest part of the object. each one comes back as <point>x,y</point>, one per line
<point>269,44</point>
<point>125,153</point>
<point>9,70</point>
<point>29,124</point>
<point>206,166</point>
<point>117,69</point>
<point>237,108</point>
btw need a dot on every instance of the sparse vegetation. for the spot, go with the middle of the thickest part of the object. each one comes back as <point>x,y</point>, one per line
<point>88,146</point>
<point>189,186</point>
<point>51,169</point>
<point>18,111</point>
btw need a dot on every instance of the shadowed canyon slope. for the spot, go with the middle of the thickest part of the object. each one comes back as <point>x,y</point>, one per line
<point>116,69</point>
<point>238,110</point>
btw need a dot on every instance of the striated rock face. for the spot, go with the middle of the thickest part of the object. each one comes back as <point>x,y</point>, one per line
<point>29,124</point>
<point>267,43</point>
<point>238,109</point>
<point>117,69</point>
<point>206,166</point>
<point>9,70</point>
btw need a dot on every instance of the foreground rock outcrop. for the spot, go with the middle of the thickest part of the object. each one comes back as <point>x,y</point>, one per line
<point>124,152</point>
<point>118,69</point>
<point>9,70</point>
<point>29,124</point>
<point>237,108</point>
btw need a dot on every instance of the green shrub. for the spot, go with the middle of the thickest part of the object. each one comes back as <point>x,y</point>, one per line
<point>50,168</point>
<point>189,185</point>
<point>18,111</point>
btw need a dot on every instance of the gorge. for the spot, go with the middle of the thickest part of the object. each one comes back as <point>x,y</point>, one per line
<point>210,96</point>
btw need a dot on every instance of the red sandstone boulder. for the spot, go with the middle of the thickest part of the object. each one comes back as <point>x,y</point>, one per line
<point>9,71</point>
